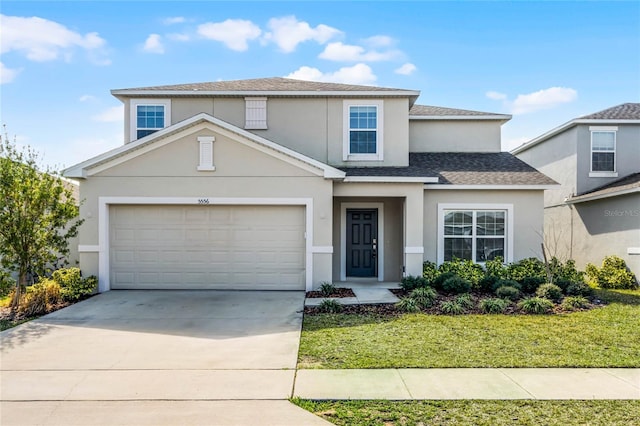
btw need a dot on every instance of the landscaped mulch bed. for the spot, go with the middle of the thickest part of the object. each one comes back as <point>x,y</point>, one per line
<point>339,292</point>
<point>381,309</point>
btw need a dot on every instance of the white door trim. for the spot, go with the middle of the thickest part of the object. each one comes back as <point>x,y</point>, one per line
<point>103,224</point>
<point>343,236</point>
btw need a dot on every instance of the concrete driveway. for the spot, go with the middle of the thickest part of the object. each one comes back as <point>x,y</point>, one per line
<point>157,357</point>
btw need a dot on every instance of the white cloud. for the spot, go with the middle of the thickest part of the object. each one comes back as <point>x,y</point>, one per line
<point>86,98</point>
<point>357,74</point>
<point>153,44</point>
<point>514,143</point>
<point>339,51</point>
<point>43,40</point>
<point>378,41</point>
<point>110,115</point>
<point>287,32</point>
<point>234,33</point>
<point>7,74</point>
<point>543,99</point>
<point>496,96</point>
<point>174,20</point>
<point>178,37</point>
<point>406,69</point>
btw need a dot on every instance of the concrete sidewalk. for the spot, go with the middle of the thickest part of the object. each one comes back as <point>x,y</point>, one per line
<point>469,383</point>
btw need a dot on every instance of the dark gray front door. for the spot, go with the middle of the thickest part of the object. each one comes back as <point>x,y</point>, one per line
<point>362,242</point>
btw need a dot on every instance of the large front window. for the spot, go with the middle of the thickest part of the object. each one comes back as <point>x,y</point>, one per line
<point>603,151</point>
<point>149,119</point>
<point>476,235</point>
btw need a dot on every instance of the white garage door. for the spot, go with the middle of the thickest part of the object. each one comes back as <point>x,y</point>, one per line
<point>207,247</point>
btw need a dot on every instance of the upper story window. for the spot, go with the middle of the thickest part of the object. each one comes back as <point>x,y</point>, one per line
<point>363,131</point>
<point>255,113</point>
<point>603,151</point>
<point>476,233</point>
<point>149,116</point>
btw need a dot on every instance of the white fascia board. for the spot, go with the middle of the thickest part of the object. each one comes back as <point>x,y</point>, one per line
<point>314,93</point>
<point>563,127</point>
<point>390,179</point>
<point>496,117</point>
<point>79,170</point>
<point>492,187</point>
<point>594,197</point>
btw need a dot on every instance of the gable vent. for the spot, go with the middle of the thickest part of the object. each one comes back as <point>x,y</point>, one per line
<point>256,113</point>
<point>206,153</point>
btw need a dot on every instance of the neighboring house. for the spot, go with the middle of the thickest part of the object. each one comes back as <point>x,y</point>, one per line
<point>596,210</point>
<point>283,184</point>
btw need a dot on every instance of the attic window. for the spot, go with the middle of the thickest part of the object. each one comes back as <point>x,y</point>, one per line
<point>206,153</point>
<point>256,113</point>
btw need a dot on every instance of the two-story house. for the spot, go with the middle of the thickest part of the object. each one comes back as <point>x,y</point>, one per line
<point>595,211</point>
<point>277,183</point>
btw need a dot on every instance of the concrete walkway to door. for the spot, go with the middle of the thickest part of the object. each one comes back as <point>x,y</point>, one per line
<point>157,357</point>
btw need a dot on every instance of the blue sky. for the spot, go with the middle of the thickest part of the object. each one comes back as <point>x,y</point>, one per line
<point>543,62</point>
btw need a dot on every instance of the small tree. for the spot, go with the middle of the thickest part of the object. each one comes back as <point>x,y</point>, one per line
<point>36,210</point>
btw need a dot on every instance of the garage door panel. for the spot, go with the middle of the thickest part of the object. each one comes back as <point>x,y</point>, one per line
<point>207,247</point>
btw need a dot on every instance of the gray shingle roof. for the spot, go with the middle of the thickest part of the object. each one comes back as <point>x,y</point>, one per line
<point>462,168</point>
<point>429,110</point>
<point>628,111</point>
<point>624,184</point>
<point>274,84</point>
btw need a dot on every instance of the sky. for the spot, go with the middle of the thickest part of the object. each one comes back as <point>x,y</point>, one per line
<point>543,62</point>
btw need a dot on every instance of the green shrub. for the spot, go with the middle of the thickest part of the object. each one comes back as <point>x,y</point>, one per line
<point>327,289</point>
<point>535,305</point>
<point>466,269</point>
<point>456,285</point>
<point>465,300</point>
<point>579,289</point>
<point>506,283</point>
<point>612,274</point>
<point>40,298</point>
<point>72,286</point>
<point>508,292</point>
<point>486,284</point>
<point>571,303</point>
<point>451,307</point>
<point>531,284</point>
<point>424,296</point>
<point>411,282</point>
<point>440,279</point>
<point>565,271</point>
<point>496,268</point>
<point>530,267</point>
<point>408,305</point>
<point>7,284</point>
<point>549,291</point>
<point>563,284</point>
<point>493,305</point>
<point>429,271</point>
<point>330,306</point>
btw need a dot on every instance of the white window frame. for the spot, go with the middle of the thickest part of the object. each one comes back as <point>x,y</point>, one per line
<point>607,129</point>
<point>133,113</point>
<point>509,226</point>
<point>255,114</point>
<point>346,146</point>
<point>205,154</point>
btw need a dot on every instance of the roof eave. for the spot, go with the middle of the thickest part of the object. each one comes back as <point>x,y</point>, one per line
<point>495,117</point>
<point>532,187</point>
<point>593,197</point>
<point>342,93</point>
<point>391,179</point>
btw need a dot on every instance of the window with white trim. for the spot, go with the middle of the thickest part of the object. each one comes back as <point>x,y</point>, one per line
<point>603,149</point>
<point>206,153</point>
<point>255,113</point>
<point>363,130</point>
<point>476,235</point>
<point>148,116</point>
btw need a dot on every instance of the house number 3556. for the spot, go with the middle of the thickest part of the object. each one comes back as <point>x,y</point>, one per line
<point>203,201</point>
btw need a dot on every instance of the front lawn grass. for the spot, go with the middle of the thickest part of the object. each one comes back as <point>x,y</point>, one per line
<point>601,337</point>
<point>476,413</point>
